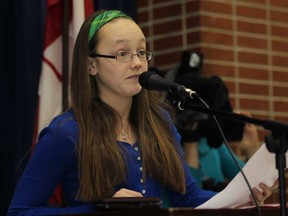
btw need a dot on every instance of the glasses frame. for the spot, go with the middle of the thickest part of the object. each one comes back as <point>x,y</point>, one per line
<point>131,56</point>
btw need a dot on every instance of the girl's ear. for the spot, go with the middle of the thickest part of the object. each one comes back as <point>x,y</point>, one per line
<point>92,67</point>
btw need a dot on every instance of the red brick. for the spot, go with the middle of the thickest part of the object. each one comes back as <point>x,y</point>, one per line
<point>166,43</point>
<point>141,3</point>
<point>167,27</point>
<point>168,11</point>
<point>148,46</point>
<point>281,119</point>
<point>255,1</point>
<point>216,7</point>
<point>261,117</point>
<point>252,12</point>
<point>145,31</point>
<point>279,16</point>
<point>253,58</point>
<point>279,3</point>
<point>280,106</point>
<point>251,27</point>
<point>217,54</point>
<point>280,46</point>
<point>252,42</point>
<point>216,38</point>
<point>280,61</point>
<point>209,21</point>
<point>231,86</point>
<point>192,6</point>
<point>232,100</point>
<point>142,17</point>
<point>250,73</point>
<point>193,22</point>
<point>253,89</point>
<point>280,91</point>
<point>194,37</point>
<point>262,134</point>
<point>252,104</point>
<point>168,58</point>
<point>216,22</point>
<point>161,1</point>
<point>280,76</point>
<point>279,31</point>
<point>217,69</point>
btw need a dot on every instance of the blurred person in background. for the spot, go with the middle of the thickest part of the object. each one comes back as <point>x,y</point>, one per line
<point>209,160</point>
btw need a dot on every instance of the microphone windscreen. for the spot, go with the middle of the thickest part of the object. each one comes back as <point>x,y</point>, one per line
<point>144,77</point>
<point>152,81</point>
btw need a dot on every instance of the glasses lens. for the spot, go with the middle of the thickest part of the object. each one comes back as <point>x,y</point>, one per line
<point>123,57</point>
<point>142,55</point>
<point>126,56</point>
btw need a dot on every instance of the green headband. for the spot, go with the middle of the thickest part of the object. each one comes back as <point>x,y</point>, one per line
<point>104,18</point>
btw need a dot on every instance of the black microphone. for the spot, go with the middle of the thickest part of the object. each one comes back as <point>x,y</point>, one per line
<point>152,81</point>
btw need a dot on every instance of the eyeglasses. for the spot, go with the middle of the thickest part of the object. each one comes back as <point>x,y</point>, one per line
<point>127,56</point>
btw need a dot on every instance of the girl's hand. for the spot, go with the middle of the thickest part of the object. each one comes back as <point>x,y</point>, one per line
<point>267,191</point>
<point>123,192</point>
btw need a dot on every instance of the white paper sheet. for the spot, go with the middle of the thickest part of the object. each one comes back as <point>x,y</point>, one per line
<point>259,168</point>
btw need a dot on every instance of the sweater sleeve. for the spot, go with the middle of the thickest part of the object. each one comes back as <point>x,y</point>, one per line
<point>53,156</point>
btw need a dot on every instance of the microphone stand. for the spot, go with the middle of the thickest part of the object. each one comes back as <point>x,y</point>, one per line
<point>276,143</point>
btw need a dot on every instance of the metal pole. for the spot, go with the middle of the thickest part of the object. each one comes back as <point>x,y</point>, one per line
<point>65,55</point>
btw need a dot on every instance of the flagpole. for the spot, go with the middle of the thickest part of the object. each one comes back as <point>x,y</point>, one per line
<point>65,55</point>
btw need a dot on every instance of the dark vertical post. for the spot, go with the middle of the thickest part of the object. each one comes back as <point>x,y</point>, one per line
<point>65,55</point>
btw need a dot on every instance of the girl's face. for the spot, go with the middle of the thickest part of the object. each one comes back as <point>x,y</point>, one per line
<point>116,79</point>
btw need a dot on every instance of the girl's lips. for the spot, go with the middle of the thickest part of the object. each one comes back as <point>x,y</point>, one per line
<point>134,76</point>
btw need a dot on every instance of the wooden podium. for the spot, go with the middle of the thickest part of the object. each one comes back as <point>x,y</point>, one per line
<point>152,207</point>
<point>223,212</point>
<point>186,212</point>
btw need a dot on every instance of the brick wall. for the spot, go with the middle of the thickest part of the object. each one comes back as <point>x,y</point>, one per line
<point>244,41</point>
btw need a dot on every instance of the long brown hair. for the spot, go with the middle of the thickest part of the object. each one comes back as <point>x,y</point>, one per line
<point>101,163</point>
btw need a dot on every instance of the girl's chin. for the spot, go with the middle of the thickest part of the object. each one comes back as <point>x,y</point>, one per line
<point>135,91</point>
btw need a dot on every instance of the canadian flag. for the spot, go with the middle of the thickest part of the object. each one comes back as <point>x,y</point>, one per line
<point>50,86</point>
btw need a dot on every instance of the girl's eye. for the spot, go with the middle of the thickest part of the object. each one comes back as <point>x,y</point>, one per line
<point>142,53</point>
<point>121,54</point>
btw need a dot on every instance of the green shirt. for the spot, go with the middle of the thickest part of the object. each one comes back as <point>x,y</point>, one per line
<point>215,163</point>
